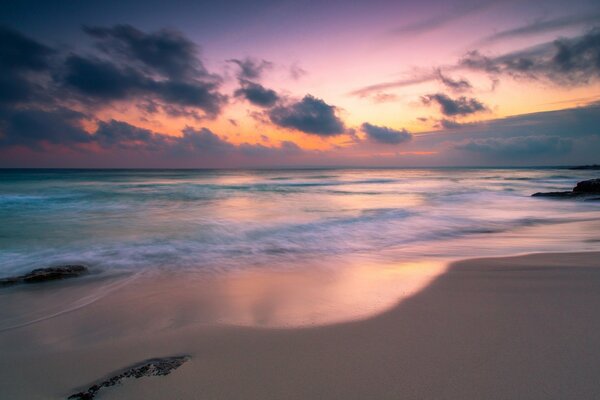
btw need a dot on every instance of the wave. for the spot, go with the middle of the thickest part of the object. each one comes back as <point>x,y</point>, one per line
<point>223,220</point>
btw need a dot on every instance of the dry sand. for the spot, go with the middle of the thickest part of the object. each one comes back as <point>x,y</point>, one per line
<point>524,327</point>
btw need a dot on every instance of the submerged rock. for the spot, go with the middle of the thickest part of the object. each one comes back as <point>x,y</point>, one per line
<point>152,367</point>
<point>586,190</point>
<point>46,274</point>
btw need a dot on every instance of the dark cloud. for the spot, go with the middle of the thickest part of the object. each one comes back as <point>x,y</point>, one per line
<point>16,89</point>
<point>572,61</point>
<point>259,150</point>
<point>382,134</point>
<point>195,94</point>
<point>201,141</point>
<point>518,146</point>
<point>541,26</point>
<point>452,107</point>
<point>18,52</point>
<point>165,52</point>
<point>121,134</point>
<point>21,58</point>
<point>309,115</point>
<point>158,70</point>
<point>257,94</point>
<point>35,127</point>
<point>250,68</point>
<point>456,85</point>
<point>102,79</point>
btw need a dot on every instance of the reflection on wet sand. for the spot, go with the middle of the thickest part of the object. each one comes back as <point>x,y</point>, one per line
<point>256,297</point>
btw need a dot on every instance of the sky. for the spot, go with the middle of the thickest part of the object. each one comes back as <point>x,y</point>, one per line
<point>214,84</point>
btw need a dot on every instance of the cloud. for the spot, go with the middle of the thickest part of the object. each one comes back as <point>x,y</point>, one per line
<point>121,134</point>
<point>258,150</point>
<point>382,134</point>
<point>384,97</point>
<point>38,129</point>
<point>20,57</point>
<point>456,85</point>
<point>564,61</point>
<point>161,69</point>
<point>256,94</point>
<point>250,68</point>
<point>542,26</point>
<point>532,146</point>
<point>440,20</point>
<point>102,79</point>
<point>18,52</point>
<point>448,124</point>
<point>367,90</point>
<point>310,115</point>
<point>573,61</point>
<point>165,52</point>
<point>195,94</point>
<point>35,127</point>
<point>453,107</point>
<point>297,72</point>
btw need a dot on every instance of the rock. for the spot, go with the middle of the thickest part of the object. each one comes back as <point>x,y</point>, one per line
<point>46,274</point>
<point>591,186</point>
<point>553,194</point>
<point>152,367</point>
<point>586,167</point>
<point>586,190</point>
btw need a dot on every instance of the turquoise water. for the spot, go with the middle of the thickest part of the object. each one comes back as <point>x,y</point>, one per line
<point>215,220</point>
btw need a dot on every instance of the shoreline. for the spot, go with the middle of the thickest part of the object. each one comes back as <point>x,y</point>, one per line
<point>501,327</point>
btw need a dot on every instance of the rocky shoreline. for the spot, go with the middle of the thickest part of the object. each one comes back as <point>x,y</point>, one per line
<point>585,190</point>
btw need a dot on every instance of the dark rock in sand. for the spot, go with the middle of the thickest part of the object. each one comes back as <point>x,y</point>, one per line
<point>586,190</point>
<point>46,274</point>
<point>152,367</point>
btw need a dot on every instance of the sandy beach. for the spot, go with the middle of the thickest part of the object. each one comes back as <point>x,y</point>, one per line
<point>494,328</point>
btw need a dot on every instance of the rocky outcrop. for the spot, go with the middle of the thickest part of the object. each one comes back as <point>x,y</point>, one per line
<point>152,367</point>
<point>586,190</point>
<point>593,167</point>
<point>591,186</point>
<point>46,274</point>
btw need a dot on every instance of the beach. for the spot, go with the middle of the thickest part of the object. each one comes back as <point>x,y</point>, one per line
<point>494,328</point>
<point>299,284</point>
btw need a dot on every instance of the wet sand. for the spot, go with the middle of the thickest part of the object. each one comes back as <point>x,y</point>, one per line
<point>494,328</point>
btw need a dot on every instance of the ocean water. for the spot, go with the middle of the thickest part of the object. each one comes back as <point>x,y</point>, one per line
<point>221,220</point>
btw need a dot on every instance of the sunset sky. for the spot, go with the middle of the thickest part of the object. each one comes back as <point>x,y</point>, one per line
<point>299,83</point>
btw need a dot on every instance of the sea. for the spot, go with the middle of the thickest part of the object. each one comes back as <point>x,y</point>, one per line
<point>213,221</point>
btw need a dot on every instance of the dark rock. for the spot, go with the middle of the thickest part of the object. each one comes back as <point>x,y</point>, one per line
<point>583,190</point>
<point>553,194</point>
<point>586,167</point>
<point>152,367</point>
<point>46,274</point>
<point>591,186</point>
